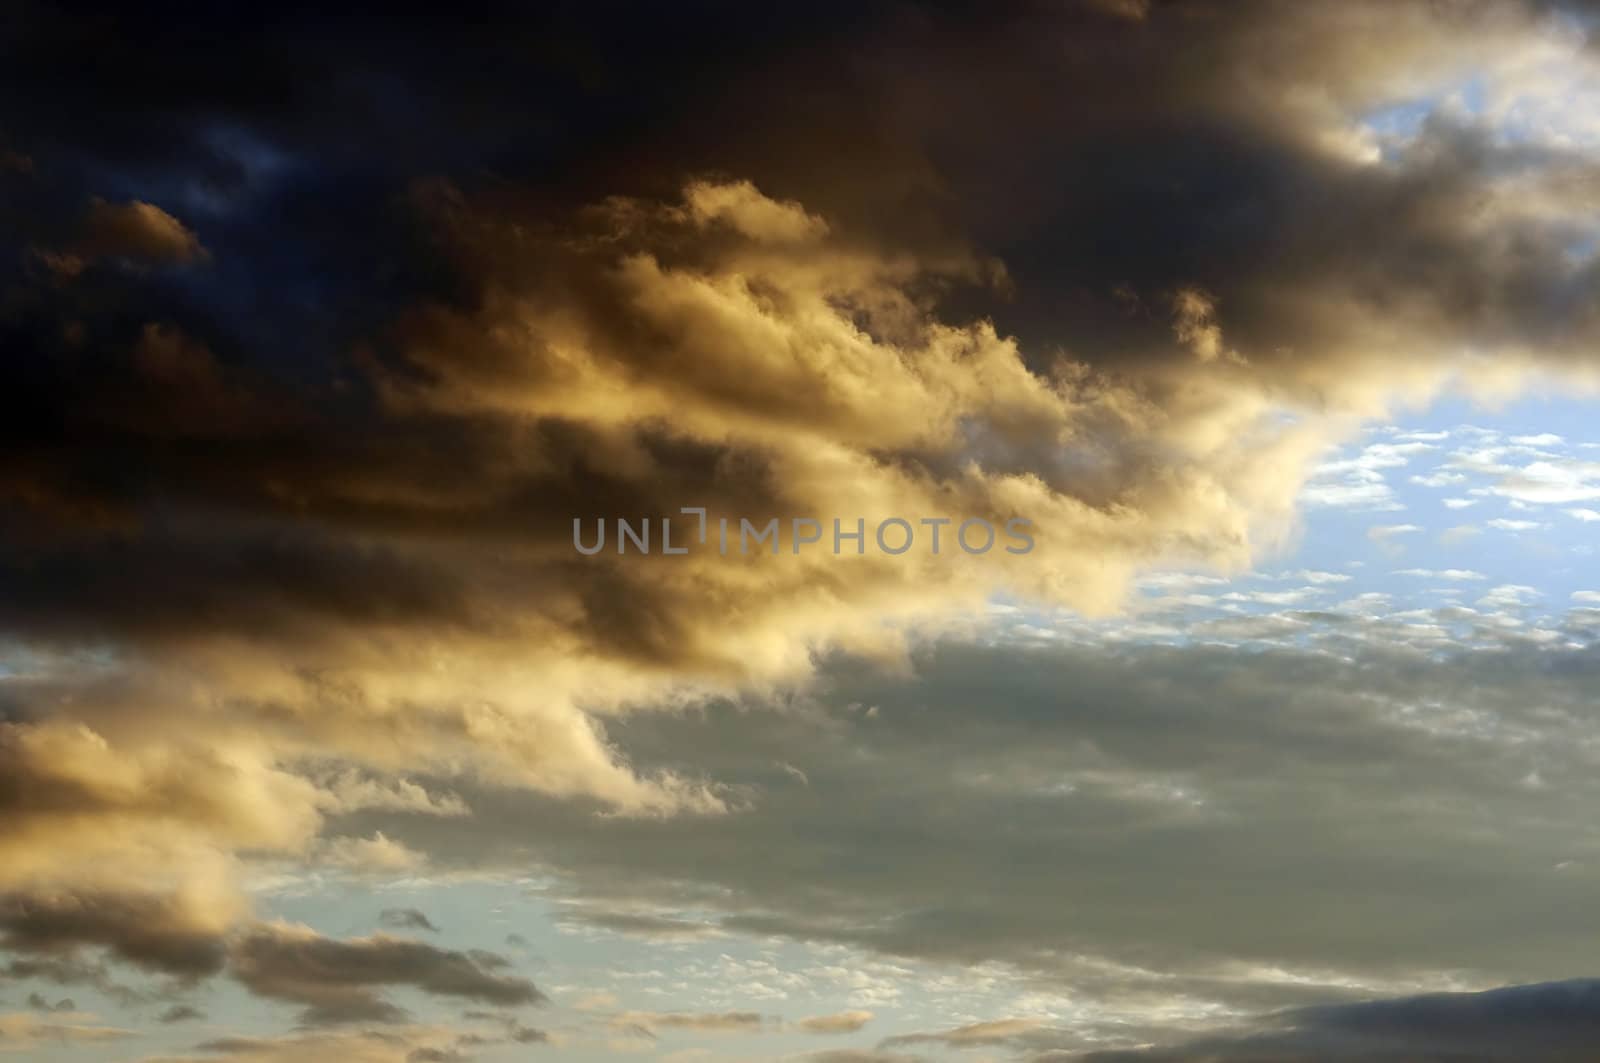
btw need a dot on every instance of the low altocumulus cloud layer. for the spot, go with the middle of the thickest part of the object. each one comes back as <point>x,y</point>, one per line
<point>322,338</point>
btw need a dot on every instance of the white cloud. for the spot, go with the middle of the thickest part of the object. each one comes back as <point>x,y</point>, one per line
<point>1508,596</point>
<point>1459,533</point>
<point>1552,482</point>
<point>1357,482</point>
<point>1458,575</point>
<point>1381,532</point>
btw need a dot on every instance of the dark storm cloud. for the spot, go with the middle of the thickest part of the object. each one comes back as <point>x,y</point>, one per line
<point>1094,154</point>
<point>357,453</point>
<point>1170,173</point>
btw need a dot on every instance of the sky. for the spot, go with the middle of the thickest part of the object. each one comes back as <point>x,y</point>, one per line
<point>1262,335</point>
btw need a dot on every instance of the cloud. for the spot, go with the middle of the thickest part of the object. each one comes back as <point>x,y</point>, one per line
<point>1454,575</point>
<point>375,854</point>
<point>1136,10</point>
<point>70,970</point>
<point>39,1003</point>
<point>644,924</point>
<point>286,543</point>
<point>1303,750</point>
<point>435,1055</point>
<point>138,230</point>
<point>339,981</point>
<point>979,1034</point>
<point>1380,533</point>
<point>393,1044</point>
<point>742,206</point>
<point>840,1023</point>
<point>66,788</point>
<point>135,232</point>
<point>175,933</point>
<point>1458,533</point>
<point>1549,1021</point>
<point>180,1013</point>
<point>712,1022</point>
<point>527,1035</point>
<point>1195,325</point>
<point>406,919</point>
<point>25,1032</point>
<point>368,611</point>
<point>1562,481</point>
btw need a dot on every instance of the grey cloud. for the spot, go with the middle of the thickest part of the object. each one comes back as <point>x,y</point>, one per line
<point>640,924</point>
<point>406,919</point>
<point>377,1045</point>
<point>152,931</point>
<point>340,981</point>
<point>1060,806</point>
<point>857,1055</point>
<point>729,1021</point>
<point>840,1023</point>
<point>71,970</point>
<point>1539,1023</point>
<point>180,1013</point>
<point>39,1003</point>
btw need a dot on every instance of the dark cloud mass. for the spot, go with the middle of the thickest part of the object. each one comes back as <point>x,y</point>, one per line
<point>152,931</point>
<point>1550,1021</point>
<point>338,981</point>
<point>318,332</point>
